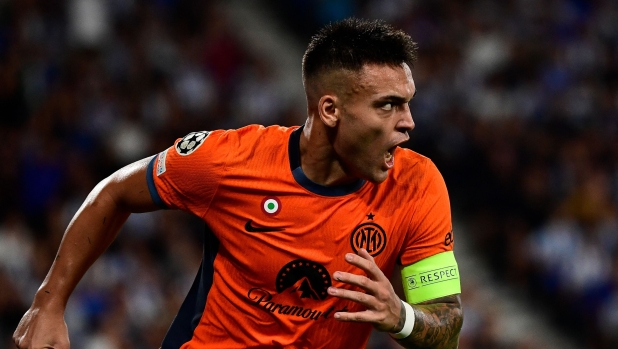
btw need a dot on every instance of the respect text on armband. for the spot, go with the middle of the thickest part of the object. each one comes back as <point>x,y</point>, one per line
<point>431,277</point>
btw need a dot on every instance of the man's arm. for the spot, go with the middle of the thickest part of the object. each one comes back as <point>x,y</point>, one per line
<point>91,231</point>
<point>437,322</point>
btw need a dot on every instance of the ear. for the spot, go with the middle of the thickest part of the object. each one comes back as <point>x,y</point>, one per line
<point>329,110</point>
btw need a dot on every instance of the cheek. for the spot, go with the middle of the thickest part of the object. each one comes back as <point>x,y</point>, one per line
<point>370,140</point>
<point>363,148</point>
<point>358,143</point>
<point>360,134</point>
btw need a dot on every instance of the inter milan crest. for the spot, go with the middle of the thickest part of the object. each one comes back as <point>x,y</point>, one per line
<point>189,143</point>
<point>369,236</point>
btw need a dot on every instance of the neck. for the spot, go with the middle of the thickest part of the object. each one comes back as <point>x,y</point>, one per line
<point>318,158</point>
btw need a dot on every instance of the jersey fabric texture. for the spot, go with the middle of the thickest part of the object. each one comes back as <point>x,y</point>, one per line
<point>274,238</point>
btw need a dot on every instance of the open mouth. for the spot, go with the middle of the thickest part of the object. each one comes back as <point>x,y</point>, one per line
<point>389,157</point>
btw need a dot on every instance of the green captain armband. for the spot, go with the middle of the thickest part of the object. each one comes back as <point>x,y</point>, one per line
<point>433,277</point>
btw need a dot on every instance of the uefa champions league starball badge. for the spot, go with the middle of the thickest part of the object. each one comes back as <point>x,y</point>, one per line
<point>189,143</point>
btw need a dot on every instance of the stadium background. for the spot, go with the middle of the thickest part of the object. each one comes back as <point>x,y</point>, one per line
<point>517,105</point>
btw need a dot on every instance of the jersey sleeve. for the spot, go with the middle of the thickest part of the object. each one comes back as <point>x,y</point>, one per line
<point>186,175</point>
<point>430,230</point>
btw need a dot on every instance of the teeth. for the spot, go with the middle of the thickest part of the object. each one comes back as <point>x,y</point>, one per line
<point>388,156</point>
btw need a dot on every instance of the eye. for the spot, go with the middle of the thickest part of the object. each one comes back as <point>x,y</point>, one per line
<point>387,106</point>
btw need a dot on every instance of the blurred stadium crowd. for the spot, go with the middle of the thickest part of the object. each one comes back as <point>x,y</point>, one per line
<point>517,105</point>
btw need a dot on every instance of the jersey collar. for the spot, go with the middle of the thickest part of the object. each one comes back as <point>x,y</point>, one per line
<point>301,178</point>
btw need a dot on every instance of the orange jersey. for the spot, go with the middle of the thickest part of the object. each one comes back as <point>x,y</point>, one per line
<point>274,238</point>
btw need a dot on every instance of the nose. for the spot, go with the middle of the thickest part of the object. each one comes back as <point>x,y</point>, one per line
<point>405,123</point>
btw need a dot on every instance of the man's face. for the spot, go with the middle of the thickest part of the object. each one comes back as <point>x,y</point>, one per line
<point>375,118</point>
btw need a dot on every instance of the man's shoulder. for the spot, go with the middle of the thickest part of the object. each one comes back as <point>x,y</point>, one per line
<point>253,135</point>
<point>410,154</point>
<point>412,168</point>
<point>257,131</point>
<point>409,160</point>
<point>256,142</point>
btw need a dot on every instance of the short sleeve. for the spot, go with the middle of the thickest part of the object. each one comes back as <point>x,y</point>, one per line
<point>430,230</point>
<point>186,175</point>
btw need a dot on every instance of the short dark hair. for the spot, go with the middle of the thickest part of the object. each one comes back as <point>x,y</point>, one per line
<point>352,43</point>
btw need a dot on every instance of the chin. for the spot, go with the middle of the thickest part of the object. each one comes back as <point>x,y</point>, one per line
<point>378,177</point>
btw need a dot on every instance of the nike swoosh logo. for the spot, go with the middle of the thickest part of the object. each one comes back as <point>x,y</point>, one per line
<point>250,228</point>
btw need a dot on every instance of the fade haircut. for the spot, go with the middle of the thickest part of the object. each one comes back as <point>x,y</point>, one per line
<point>352,43</point>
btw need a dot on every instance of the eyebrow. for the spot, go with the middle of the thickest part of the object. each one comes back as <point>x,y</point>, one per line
<point>394,99</point>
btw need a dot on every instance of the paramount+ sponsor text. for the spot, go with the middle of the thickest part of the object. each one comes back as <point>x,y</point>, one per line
<point>263,299</point>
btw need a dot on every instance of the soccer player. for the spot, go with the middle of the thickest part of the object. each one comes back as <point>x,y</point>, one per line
<point>303,223</point>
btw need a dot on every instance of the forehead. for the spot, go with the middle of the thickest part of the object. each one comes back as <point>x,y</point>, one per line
<point>378,80</point>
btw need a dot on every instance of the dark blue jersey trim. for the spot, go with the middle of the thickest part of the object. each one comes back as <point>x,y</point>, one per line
<point>305,182</point>
<point>194,305</point>
<point>154,194</point>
